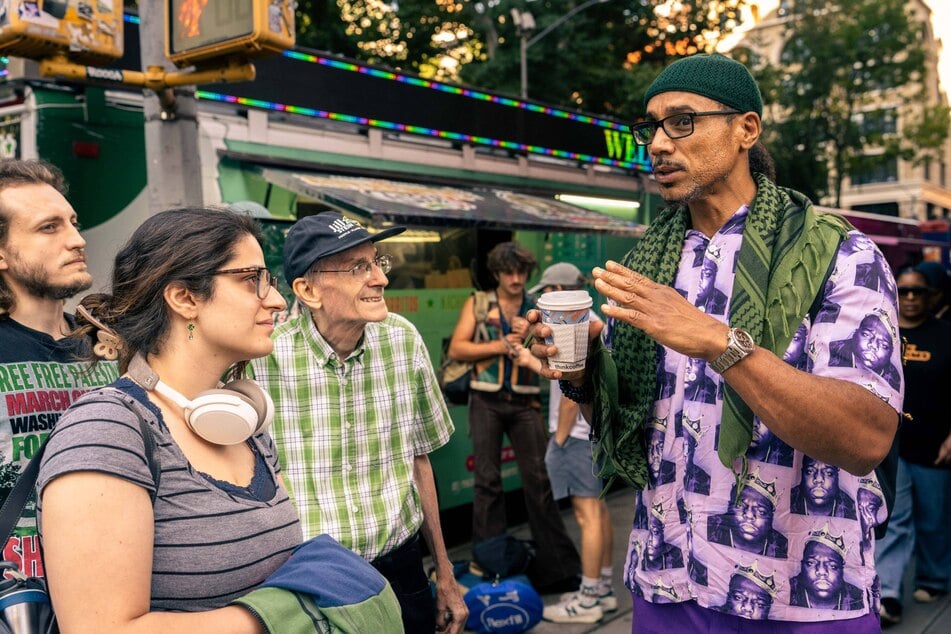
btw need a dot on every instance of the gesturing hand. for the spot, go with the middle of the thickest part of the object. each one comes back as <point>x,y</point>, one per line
<point>661,312</point>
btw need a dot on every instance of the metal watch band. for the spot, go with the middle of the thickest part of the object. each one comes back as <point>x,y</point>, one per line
<point>739,346</point>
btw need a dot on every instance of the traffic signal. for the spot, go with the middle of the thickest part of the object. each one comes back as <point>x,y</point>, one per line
<point>199,31</point>
<point>88,31</point>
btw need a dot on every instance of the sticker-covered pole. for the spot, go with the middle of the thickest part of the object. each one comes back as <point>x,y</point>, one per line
<point>171,124</point>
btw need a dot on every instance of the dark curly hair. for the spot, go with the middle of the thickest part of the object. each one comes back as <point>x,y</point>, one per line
<point>509,257</point>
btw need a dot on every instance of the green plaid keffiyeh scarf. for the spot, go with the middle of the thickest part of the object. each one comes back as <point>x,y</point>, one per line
<point>787,250</point>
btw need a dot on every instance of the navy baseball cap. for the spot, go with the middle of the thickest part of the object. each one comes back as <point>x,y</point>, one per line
<point>314,237</point>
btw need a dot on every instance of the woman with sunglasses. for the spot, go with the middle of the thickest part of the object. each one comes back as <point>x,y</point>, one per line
<point>191,302</point>
<point>919,522</point>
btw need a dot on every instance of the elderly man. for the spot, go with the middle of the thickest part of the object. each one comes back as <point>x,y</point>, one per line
<point>42,264</point>
<point>702,130</point>
<point>357,412</point>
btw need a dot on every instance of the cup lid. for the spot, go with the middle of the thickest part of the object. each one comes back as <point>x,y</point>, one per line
<point>564,300</point>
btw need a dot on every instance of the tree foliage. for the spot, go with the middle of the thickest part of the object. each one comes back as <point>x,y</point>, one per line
<point>601,59</point>
<point>848,69</point>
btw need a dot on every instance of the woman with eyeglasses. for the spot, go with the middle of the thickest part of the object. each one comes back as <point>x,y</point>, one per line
<point>919,522</point>
<point>191,302</point>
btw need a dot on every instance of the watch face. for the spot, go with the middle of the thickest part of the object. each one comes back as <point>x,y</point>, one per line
<point>743,340</point>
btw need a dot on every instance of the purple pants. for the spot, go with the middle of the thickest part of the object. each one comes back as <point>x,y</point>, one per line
<point>652,618</point>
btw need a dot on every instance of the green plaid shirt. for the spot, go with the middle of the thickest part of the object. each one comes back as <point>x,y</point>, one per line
<point>347,431</point>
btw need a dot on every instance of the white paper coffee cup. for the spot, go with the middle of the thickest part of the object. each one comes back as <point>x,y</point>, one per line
<point>566,313</point>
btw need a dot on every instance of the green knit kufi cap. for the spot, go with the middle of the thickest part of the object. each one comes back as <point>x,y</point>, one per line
<point>715,76</point>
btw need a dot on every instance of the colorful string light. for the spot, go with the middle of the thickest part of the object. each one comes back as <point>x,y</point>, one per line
<point>455,90</point>
<point>413,129</point>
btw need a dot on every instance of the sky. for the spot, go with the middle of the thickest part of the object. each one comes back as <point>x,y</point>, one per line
<point>940,22</point>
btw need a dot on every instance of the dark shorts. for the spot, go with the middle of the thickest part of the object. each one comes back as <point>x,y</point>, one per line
<point>570,469</point>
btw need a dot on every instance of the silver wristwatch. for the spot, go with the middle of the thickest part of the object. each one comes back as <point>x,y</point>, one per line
<point>739,345</point>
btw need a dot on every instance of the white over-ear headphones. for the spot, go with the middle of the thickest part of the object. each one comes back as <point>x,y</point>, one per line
<point>225,416</point>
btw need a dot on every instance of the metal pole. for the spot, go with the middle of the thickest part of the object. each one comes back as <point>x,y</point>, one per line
<point>554,25</point>
<point>527,43</point>
<point>171,125</point>
<point>524,60</point>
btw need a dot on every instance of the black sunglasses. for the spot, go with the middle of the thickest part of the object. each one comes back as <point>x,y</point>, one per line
<point>915,291</point>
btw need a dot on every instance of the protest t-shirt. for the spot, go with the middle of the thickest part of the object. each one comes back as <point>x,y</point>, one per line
<point>39,378</point>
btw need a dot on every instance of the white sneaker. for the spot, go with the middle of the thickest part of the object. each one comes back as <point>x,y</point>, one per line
<point>571,611</point>
<point>608,602</point>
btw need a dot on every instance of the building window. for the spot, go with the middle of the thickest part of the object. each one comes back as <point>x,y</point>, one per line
<point>875,122</point>
<point>885,209</point>
<point>875,169</point>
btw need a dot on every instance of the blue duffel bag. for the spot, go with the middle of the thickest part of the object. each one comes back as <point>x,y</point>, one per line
<point>503,607</point>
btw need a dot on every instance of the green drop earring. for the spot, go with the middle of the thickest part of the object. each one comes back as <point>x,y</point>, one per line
<point>191,331</point>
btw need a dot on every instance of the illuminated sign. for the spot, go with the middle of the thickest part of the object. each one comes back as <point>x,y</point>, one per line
<point>310,84</point>
<point>85,30</point>
<point>200,31</point>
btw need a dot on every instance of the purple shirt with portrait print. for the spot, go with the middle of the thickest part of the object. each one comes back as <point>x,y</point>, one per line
<point>790,547</point>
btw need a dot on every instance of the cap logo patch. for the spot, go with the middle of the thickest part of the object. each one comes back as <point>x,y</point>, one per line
<point>343,227</point>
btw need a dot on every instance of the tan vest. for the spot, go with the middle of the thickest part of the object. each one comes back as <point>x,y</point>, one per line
<point>489,374</point>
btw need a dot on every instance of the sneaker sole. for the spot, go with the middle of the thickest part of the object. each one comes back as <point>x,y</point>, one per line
<point>888,619</point>
<point>608,603</point>
<point>576,618</point>
<point>923,596</point>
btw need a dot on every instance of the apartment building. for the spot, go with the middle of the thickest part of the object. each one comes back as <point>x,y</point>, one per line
<point>889,186</point>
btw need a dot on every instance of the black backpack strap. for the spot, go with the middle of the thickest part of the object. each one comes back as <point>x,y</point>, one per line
<point>13,506</point>
<point>149,440</point>
<point>16,501</point>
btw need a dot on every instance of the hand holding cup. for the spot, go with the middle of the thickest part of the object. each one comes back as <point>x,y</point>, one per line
<point>562,322</point>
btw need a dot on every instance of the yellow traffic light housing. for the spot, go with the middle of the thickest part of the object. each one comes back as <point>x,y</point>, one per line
<point>87,31</point>
<point>198,31</point>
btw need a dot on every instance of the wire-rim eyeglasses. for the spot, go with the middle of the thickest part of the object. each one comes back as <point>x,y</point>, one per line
<point>364,267</point>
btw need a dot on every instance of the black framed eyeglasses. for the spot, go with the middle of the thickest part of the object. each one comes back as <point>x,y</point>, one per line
<point>676,126</point>
<point>364,267</point>
<point>262,278</point>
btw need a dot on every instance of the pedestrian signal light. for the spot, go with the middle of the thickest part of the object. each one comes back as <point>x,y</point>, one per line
<point>87,31</point>
<point>199,31</point>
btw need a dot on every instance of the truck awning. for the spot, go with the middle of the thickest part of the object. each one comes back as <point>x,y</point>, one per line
<point>385,200</point>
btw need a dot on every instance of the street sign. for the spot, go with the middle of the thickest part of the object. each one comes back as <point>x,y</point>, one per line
<point>87,31</point>
<point>200,31</point>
